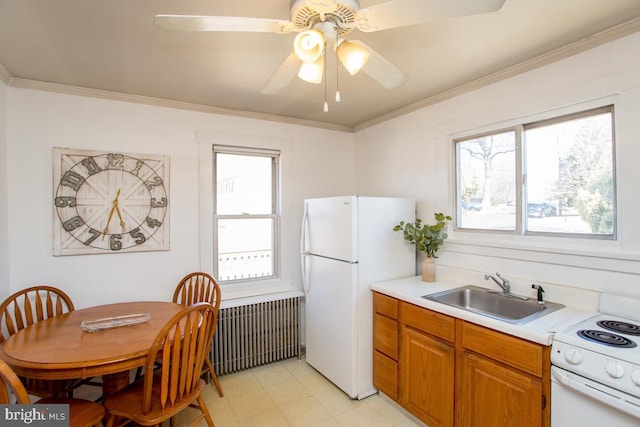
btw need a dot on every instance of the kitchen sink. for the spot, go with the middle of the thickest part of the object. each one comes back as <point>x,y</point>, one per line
<point>508,308</point>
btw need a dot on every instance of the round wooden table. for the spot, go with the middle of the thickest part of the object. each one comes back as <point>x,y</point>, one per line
<point>57,348</point>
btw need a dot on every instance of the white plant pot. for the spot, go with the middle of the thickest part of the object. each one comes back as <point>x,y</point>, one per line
<point>429,270</point>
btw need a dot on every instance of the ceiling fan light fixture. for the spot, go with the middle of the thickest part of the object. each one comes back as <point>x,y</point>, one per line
<point>309,45</point>
<point>321,6</point>
<point>312,71</point>
<point>352,56</point>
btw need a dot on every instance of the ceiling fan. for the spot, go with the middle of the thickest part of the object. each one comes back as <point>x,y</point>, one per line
<point>324,23</point>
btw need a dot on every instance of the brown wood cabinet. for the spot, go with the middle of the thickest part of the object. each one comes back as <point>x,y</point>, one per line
<point>385,344</point>
<point>495,395</point>
<point>427,362</point>
<point>427,377</point>
<point>505,380</point>
<point>450,372</point>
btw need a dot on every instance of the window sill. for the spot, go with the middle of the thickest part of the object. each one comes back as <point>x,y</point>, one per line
<point>257,288</point>
<point>598,255</point>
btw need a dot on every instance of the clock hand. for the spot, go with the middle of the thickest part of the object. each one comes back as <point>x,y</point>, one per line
<point>113,207</point>
<point>106,228</point>
<point>119,215</point>
<point>115,204</point>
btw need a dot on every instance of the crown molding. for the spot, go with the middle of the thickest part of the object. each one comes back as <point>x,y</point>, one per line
<point>159,102</point>
<point>5,76</point>
<point>609,35</point>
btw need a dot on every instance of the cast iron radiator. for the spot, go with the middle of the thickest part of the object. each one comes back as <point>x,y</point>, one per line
<point>256,334</point>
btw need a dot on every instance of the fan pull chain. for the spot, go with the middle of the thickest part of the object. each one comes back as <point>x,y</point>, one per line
<point>324,73</point>
<point>337,78</point>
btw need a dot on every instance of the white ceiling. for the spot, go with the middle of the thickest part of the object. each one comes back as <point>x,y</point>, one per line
<point>114,46</point>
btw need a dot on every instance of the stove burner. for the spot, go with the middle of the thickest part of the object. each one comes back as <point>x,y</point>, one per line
<point>606,338</point>
<point>620,326</point>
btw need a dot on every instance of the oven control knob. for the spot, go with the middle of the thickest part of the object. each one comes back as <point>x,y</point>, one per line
<point>573,356</point>
<point>615,369</point>
<point>635,377</point>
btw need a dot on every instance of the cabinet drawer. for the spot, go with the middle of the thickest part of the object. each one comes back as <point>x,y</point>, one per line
<point>431,322</point>
<point>385,375</point>
<point>385,335</point>
<point>386,305</point>
<point>519,353</point>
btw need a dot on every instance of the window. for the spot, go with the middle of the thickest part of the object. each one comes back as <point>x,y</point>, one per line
<point>245,213</point>
<point>552,177</point>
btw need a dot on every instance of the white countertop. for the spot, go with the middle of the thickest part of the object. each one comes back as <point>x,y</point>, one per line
<point>540,330</point>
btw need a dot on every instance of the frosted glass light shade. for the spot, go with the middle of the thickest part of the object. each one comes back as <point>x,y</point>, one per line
<point>352,56</point>
<point>312,71</point>
<point>309,45</point>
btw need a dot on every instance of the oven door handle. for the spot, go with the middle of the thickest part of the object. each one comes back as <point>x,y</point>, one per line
<point>597,392</point>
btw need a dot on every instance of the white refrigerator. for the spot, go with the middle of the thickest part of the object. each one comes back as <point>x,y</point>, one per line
<point>347,243</point>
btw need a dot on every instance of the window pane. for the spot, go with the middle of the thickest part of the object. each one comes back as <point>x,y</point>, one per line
<point>244,184</point>
<point>245,248</point>
<point>569,169</point>
<point>486,182</point>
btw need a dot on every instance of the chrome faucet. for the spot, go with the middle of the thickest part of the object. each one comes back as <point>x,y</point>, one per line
<point>505,285</point>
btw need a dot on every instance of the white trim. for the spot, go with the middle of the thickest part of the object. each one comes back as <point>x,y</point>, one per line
<point>609,35</point>
<point>207,140</point>
<point>254,299</point>
<point>5,76</point>
<point>167,103</point>
<point>587,244</point>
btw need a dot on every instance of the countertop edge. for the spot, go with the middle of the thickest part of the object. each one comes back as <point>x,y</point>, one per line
<point>541,330</point>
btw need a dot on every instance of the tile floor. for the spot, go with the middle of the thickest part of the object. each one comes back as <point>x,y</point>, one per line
<point>291,393</point>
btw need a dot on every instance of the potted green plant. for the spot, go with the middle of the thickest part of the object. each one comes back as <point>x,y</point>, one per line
<point>427,238</point>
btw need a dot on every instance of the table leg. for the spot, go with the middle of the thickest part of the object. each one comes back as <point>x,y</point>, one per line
<point>113,383</point>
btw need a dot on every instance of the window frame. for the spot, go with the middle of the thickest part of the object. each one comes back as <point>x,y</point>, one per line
<point>520,170</point>
<point>275,214</point>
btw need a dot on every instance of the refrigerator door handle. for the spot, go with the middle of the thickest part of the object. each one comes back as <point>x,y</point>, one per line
<point>303,263</point>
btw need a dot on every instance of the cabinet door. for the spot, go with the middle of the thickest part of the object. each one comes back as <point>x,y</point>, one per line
<point>427,377</point>
<point>493,395</point>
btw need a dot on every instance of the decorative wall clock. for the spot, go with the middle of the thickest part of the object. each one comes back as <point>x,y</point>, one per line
<point>107,202</point>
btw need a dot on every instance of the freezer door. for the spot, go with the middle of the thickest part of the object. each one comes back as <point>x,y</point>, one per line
<point>330,227</point>
<point>331,321</point>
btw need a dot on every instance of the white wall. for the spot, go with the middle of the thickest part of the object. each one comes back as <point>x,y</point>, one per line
<point>39,120</point>
<point>413,156</point>
<point>4,242</point>
<point>409,156</point>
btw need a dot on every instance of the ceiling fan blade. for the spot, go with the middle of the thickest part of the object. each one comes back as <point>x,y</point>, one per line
<point>401,13</point>
<point>380,69</point>
<point>283,75</point>
<point>222,23</point>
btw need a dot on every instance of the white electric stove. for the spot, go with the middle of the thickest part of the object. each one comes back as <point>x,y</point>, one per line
<point>596,368</point>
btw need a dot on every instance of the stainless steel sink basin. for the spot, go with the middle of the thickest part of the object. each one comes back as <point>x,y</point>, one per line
<point>494,304</point>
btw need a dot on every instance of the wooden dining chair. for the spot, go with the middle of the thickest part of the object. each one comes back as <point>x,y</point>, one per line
<point>82,413</point>
<point>29,306</point>
<point>200,287</point>
<point>181,347</point>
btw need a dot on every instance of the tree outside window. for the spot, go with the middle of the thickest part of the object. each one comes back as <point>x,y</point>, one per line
<point>567,177</point>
